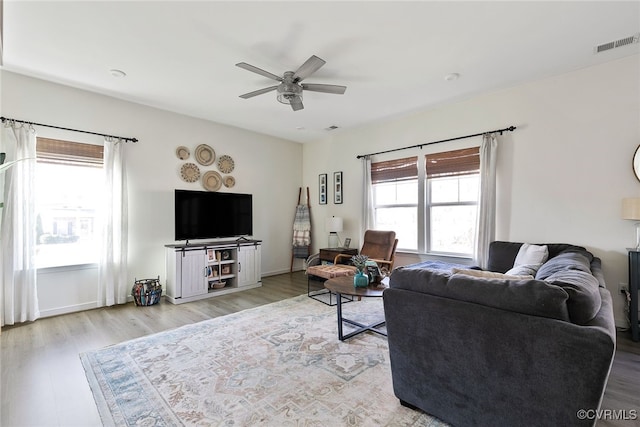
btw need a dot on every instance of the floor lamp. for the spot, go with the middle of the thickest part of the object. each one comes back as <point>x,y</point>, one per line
<point>333,225</point>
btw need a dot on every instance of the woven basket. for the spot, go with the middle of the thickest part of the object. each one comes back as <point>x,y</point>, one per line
<point>146,291</point>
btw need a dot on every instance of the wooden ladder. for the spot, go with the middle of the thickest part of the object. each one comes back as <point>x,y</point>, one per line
<point>309,206</point>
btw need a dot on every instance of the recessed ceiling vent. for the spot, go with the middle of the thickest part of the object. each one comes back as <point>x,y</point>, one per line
<point>618,43</point>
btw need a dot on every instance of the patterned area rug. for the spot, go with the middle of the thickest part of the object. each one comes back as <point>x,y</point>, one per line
<point>278,365</point>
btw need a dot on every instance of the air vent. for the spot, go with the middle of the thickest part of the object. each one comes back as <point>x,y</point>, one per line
<point>333,127</point>
<point>618,43</point>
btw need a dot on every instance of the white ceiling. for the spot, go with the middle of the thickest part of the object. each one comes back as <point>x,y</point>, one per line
<point>392,56</point>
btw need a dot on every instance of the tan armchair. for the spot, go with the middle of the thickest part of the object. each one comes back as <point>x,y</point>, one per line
<point>379,246</point>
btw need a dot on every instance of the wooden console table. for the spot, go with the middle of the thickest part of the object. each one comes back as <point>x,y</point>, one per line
<point>329,254</point>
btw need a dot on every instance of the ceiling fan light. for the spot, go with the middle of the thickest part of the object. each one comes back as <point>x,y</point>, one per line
<point>287,91</point>
<point>286,98</point>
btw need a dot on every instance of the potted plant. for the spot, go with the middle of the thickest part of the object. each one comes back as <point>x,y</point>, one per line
<point>360,280</point>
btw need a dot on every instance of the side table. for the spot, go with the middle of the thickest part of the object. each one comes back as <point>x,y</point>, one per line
<point>634,280</point>
<point>329,254</point>
<point>342,286</point>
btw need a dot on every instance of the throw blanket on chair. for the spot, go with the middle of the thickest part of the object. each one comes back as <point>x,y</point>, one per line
<point>301,232</point>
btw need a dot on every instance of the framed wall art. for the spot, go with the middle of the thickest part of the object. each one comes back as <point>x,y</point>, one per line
<point>337,188</point>
<point>322,188</point>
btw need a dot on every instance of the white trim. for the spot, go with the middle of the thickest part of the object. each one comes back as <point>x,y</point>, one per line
<point>69,309</point>
<point>275,273</point>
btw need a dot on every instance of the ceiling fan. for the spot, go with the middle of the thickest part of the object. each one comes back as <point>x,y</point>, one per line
<point>290,89</point>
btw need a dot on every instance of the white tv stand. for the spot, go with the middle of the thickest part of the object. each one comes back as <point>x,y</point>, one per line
<point>203,270</point>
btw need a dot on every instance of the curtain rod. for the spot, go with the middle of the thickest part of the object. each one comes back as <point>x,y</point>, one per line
<point>3,119</point>
<point>510,129</point>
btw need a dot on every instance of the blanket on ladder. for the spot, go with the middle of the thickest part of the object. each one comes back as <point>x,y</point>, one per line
<point>301,232</point>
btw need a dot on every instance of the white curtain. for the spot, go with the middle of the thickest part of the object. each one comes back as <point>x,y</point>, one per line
<point>486,229</point>
<point>368,220</point>
<point>112,282</point>
<point>19,296</point>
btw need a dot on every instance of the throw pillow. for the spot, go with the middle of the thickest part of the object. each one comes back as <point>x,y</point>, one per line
<point>531,254</point>
<point>490,274</point>
<point>524,269</point>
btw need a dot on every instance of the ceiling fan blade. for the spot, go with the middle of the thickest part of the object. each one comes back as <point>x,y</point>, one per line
<point>296,103</point>
<point>338,90</point>
<point>310,66</point>
<point>257,70</point>
<point>258,92</point>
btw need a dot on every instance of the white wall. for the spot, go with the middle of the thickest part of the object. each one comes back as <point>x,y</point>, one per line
<point>153,174</point>
<point>561,175</point>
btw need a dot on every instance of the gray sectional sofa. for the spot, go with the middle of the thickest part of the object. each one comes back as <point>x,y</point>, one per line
<point>476,351</point>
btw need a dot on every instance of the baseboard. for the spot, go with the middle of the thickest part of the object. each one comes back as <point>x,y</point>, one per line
<point>94,304</point>
<point>275,273</point>
<point>74,308</point>
<point>68,309</point>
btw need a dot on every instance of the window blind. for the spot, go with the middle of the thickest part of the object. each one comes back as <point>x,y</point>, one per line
<point>453,163</point>
<point>394,170</point>
<point>69,153</point>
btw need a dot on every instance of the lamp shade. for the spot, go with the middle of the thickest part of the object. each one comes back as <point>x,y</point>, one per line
<point>631,209</point>
<point>333,224</point>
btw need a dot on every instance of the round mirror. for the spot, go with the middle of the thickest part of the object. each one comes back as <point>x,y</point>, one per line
<point>636,163</point>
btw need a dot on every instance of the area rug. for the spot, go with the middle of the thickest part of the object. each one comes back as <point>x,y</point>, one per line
<point>276,365</point>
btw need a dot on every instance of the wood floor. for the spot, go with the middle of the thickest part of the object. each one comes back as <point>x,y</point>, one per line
<point>43,383</point>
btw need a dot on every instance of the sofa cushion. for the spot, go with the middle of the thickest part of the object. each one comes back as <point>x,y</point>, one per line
<point>414,278</point>
<point>490,274</point>
<point>522,296</point>
<point>531,254</point>
<point>330,271</point>
<point>502,255</point>
<point>533,297</point>
<point>584,294</point>
<point>568,260</point>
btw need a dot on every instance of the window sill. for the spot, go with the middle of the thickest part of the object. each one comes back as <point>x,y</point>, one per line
<point>415,256</point>
<point>64,268</point>
<point>434,254</point>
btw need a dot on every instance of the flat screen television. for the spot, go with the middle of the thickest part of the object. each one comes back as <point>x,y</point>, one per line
<point>208,215</point>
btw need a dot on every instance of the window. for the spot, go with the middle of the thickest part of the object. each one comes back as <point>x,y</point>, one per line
<point>431,202</point>
<point>453,180</point>
<point>68,181</point>
<point>395,199</point>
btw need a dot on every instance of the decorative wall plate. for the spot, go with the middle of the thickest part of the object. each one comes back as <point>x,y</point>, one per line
<point>183,152</point>
<point>211,181</point>
<point>205,155</point>
<point>190,172</point>
<point>229,181</point>
<point>225,164</point>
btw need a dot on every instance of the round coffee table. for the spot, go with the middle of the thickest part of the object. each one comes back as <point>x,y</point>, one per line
<point>344,286</point>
